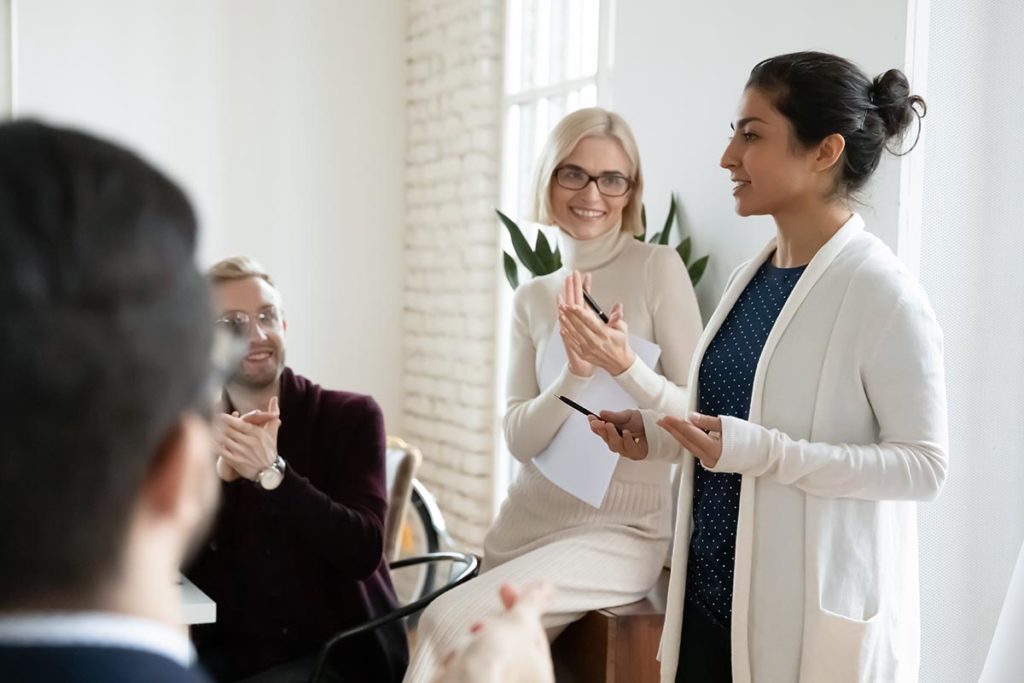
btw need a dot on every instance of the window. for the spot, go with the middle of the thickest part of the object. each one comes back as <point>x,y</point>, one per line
<point>557,60</point>
<point>555,63</point>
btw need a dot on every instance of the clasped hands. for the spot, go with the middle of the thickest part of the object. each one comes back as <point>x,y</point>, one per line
<point>589,342</point>
<point>699,434</point>
<point>246,444</point>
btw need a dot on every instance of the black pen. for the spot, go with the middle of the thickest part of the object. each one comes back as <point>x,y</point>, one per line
<point>593,305</point>
<point>576,406</point>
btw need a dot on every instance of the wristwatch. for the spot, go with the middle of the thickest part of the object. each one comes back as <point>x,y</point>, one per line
<point>271,477</point>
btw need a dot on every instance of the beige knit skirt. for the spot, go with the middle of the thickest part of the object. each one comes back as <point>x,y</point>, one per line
<point>594,558</point>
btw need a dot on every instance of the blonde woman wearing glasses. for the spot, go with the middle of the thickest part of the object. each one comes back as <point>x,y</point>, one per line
<point>589,184</point>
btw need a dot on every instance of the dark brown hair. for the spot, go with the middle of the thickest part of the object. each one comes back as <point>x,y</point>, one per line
<point>822,94</point>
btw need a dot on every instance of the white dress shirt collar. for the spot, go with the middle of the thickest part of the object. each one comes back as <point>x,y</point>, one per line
<point>96,629</point>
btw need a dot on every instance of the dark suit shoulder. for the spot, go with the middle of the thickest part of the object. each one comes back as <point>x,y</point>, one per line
<point>87,664</point>
<point>335,405</point>
<point>358,406</point>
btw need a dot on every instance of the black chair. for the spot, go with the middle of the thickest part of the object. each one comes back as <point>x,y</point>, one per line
<point>471,569</point>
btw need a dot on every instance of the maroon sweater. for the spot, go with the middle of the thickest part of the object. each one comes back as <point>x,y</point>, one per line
<point>289,568</point>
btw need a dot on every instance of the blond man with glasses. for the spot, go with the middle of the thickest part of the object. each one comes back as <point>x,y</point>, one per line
<point>297,553</point>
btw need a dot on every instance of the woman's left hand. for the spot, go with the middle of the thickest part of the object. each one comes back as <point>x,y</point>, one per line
<point>603,345</point>
<point>701,435</point>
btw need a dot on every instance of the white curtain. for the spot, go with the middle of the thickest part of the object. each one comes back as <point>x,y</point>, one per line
<point>972,248</point>
<point>1005,661</point>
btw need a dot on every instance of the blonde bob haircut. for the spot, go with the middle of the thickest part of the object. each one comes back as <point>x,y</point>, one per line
<point>585,123</point>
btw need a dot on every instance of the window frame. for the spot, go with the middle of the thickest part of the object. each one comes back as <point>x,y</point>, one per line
<point>506,467</point>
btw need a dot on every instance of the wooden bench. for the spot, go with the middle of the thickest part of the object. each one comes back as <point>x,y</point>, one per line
<point>616,645</point>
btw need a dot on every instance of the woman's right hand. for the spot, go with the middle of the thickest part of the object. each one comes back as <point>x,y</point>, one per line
<point>577,365</point>
<point>623,432</point>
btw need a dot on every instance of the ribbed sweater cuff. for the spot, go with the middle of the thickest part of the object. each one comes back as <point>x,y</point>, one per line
<point>640,382</point>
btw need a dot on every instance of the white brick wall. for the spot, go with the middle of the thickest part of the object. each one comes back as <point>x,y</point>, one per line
<point>451,246</point>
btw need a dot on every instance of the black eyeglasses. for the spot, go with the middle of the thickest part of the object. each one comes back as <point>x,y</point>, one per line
<point>238,323</point>
<point>608,184</point>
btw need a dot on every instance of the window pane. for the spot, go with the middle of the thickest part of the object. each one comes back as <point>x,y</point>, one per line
<point>589,36</point>
<point>580,98</point>
<point>559,33</point>
<point>514,47</point>
<point>588,96</point>
<point>573,42</point>
<point>550,42</point>
<point>556,110</point>
<point>525,156</point>
<point>527,39</point>
<point>539,36</point>
<point>510,191</point>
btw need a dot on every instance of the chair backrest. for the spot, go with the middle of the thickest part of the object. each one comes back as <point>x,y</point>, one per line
<point>402,461</point>
<point>470,568</point>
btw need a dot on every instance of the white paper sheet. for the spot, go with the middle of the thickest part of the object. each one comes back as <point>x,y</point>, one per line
<point>577,460</point>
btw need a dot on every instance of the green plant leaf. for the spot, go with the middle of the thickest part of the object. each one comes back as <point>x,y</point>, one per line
<point>557,256</point>
<point>679,215</point>
<point>511,270</point>
<point>697,269</point>
<point>521,246</point>
<point>643,217</point>
<point>684,250</point>
<point>544,253</point>
<point>656,238</point>
<point>668,221</point>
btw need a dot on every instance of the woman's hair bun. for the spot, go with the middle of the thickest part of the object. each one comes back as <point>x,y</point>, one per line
<point>890,94</point>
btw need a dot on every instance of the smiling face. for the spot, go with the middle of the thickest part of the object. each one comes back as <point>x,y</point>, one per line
<point>771,173</point>
<point>586,213</point>
<point>260,302</point>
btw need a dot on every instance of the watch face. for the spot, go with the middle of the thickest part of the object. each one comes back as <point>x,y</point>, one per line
<point>271,478</point>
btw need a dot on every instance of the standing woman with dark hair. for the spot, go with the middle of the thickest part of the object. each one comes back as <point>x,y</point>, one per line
<point>819,413</point>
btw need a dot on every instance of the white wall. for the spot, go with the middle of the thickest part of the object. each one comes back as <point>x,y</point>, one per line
<point>283,120</point>
<point>679,70</point>
<point>971,243</point>
<point>678,73</point>
<point>6,49</point>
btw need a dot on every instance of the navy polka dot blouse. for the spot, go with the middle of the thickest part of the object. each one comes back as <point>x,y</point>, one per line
<point>726,382</point>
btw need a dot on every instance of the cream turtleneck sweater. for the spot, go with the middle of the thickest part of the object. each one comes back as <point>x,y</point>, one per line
<point>594,558</point>
<point>659,304</point>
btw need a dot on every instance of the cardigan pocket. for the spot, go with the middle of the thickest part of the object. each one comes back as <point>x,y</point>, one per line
<point>840,649</point>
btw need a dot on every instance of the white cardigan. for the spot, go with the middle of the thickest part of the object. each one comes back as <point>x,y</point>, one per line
<point>847,429</point>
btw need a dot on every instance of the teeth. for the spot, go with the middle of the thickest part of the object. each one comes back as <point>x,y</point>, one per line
<point>587,213</point>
